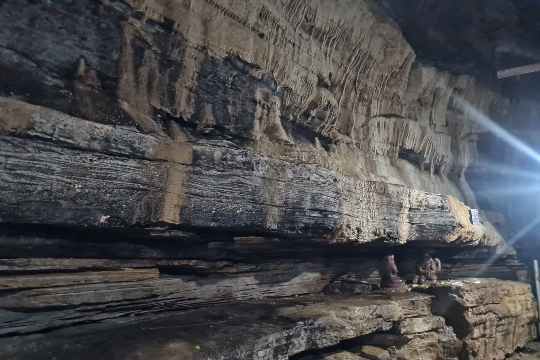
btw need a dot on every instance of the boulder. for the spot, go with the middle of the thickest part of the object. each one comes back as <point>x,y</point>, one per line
<point>493,318</point>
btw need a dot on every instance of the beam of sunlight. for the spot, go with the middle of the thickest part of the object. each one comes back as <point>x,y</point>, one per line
<point>506,170</point>
<point>484,121</point>
<point>488,124</point>
<point>508,244</point>
<point>509,191</point>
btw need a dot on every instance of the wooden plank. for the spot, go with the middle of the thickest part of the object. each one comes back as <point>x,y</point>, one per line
<point>517,71</point>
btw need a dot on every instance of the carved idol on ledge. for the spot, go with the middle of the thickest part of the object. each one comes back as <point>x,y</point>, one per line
<point>427,270</point>
<point>390,280</point>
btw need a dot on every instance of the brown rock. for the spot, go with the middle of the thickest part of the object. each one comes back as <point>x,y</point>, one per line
<point>342,355</point>
<point>262,126</point>
<point>374,353</point>
<point>420,324</point>
<point>238,331</point>
<point>492,317</point>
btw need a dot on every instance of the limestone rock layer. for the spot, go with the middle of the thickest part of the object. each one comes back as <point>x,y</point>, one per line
<point>218,179</point>
<point>493,318</point>
<point>297,118</point>
<point>311,327</point>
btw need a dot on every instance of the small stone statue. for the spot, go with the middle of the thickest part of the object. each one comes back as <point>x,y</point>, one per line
<point>427,270</point>
<point>389,275</point>
<point>87,76</point>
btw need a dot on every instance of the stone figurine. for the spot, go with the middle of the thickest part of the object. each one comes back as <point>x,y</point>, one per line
<point>427,270</point>
<point>390,279</point>
<point>87,76</point>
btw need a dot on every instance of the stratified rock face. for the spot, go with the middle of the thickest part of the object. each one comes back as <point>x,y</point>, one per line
<point>186,157</point>
<point>255,331</point>
<point>492,317</point>
<point>305,119</point>
<point>488,324</point>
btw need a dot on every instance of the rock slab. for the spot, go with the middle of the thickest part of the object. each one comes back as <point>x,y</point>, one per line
<point>493,318</point>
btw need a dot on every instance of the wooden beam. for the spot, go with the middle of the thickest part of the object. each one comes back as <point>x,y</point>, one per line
<point>520,70</point>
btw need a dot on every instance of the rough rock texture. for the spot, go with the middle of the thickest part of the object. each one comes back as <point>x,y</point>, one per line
<point>294,122</point>
<point>484,37</point>
<point>493,318</point>
<point>185,157</point>
<point>530,352</point>
<point>342,355</point>
<point>201,185</point>
<point>247,331</point>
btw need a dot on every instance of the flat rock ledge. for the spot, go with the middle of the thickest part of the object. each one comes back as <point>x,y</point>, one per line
<point>459,319</point>
<point>244,331</point>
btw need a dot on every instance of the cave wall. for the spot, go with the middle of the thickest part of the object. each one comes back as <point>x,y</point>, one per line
<point>278,99</point>
<point>483,37</point>
<point>169,156</point>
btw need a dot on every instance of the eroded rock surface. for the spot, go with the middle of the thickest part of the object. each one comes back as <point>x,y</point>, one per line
<point>493,318</point>
<point>314,127</point>
<point>185,157</point>
<point>249,331</point>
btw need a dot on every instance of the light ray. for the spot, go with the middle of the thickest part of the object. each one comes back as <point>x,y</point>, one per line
<point>484,121</point>
<point>501,169</point>
<point>507,246</point>
<point>509,191</point>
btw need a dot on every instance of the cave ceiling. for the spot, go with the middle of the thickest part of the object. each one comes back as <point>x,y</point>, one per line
<point>477,37</point>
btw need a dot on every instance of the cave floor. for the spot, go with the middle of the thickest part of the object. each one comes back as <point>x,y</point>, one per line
<point>308,327</point>
<point>258,330</point>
